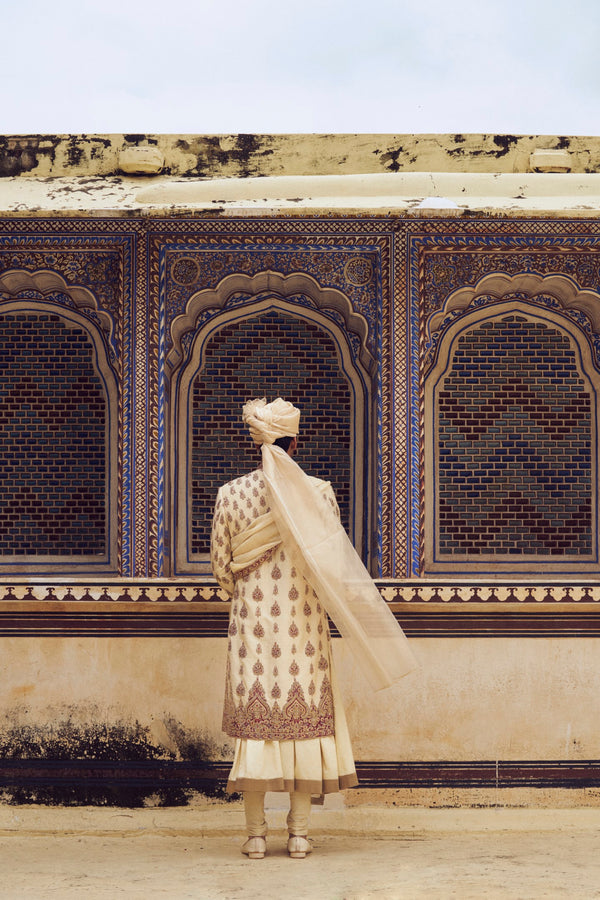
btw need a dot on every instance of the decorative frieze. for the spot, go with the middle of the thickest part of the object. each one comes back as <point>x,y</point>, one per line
<point>205,590</point>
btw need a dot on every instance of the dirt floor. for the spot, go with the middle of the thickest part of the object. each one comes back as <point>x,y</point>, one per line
<point>103,853</point>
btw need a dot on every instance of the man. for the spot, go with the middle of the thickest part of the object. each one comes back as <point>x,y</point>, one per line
<point>278,549</point>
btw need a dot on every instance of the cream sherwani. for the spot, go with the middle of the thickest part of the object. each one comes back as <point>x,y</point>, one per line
<point>281,700</point>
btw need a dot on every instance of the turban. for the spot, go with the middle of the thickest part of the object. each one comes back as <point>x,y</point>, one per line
<point>269,421</point>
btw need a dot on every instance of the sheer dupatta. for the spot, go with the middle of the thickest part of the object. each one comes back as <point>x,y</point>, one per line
<point>309,527</point>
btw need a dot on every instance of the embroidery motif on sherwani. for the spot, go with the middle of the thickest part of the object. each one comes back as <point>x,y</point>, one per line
<point>267,555</point>
<point>296,720</point>
<point>277,685</point>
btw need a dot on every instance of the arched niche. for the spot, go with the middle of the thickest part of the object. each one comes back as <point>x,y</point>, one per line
<point>14,282</point>
<point>58,449</point>
<point>271,284</point>
<point>511,444</point>
<point>563,293</point>
<point>351,372</point>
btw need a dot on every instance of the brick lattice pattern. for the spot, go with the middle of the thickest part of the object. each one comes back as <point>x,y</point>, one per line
<point>515,442</point>
<point>271,355</point>
<point>52,440</point>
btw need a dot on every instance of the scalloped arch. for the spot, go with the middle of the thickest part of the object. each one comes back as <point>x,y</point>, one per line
<point>498,285</point>
<point>45,281</point>
<point>280,286</point>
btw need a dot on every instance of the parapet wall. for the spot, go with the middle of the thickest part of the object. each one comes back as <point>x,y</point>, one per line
<point>245,155</point>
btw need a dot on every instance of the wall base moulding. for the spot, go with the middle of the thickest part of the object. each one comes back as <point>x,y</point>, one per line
<point>207,776</point>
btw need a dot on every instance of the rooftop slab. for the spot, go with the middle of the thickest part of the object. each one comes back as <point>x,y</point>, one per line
<point>316,174</point>
<point>408,193</point>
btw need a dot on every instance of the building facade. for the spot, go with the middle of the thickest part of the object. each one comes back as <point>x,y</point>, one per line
<point>433,306</point>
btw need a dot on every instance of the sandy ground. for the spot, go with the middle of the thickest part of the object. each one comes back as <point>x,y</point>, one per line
<point>403,854</point>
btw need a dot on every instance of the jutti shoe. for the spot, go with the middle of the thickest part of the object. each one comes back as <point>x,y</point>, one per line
<point>298,846</point>
<point>255,848</point>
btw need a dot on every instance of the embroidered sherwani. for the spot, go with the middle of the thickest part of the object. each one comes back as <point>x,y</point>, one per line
<point>281,700</point>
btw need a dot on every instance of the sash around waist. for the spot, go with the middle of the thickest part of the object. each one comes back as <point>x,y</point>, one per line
<point>251,544</point>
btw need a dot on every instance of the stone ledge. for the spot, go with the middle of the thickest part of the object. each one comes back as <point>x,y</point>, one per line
<point>229,820</point>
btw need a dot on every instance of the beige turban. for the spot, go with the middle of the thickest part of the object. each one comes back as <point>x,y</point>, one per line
<point>269,421</point>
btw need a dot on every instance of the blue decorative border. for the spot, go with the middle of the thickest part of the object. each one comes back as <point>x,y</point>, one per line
<point>378,419</point>
<point>162,549</point>
<point>127,368</point>
<point>414,399</point>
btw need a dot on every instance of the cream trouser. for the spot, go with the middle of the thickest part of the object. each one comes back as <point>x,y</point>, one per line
<point>297,820</point>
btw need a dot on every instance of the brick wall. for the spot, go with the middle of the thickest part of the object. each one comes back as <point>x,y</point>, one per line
<point>514,444</point>
<point>271,355</point>
<point>52,440</point>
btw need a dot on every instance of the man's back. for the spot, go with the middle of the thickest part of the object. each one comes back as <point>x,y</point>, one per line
<point>245,498</point>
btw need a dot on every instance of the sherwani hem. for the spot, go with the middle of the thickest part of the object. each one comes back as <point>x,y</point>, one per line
<point>301,786</point>
<point>316,765</point>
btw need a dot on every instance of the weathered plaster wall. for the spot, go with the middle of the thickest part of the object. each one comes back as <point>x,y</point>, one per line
<point>471,699</point>
<point>170,686</point>
<point>482,699</point>
<point>243,155</point>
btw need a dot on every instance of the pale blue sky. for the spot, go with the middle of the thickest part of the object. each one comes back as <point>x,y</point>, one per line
<point>394,66</point>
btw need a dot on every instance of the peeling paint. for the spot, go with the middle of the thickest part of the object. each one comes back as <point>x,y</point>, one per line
<point>75,152</point>
<point>253,155</point>
<point>43,155</point>
<point>138,139</point>
<point>248,147</point>
<point>505,142</point>
<point>391,159</point>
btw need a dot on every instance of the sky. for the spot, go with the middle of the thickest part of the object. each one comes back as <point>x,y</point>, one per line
<point>273,66</point>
